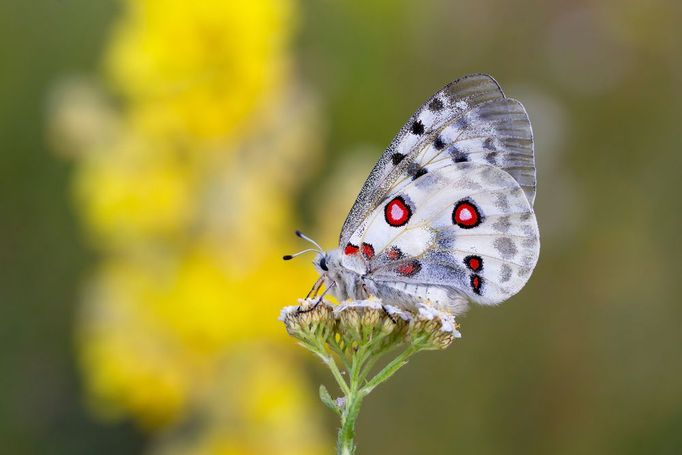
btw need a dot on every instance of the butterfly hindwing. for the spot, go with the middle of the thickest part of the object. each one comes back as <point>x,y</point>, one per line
<point>460,230</point>
<point>469,120</point>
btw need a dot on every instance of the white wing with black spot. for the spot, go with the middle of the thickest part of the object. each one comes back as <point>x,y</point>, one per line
<point>469,120</point>
<point>462,230</point>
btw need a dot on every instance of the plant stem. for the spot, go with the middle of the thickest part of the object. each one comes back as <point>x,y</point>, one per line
<point>359,388</point>
<point>353,400</point>
<point>388,371</point>
<point>328,360</point>
<point>346,440</point>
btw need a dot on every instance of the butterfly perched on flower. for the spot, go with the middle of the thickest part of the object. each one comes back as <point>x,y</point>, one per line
<point>446,215</point>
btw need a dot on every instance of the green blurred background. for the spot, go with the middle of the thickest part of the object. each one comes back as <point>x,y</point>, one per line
<point>586,359</point>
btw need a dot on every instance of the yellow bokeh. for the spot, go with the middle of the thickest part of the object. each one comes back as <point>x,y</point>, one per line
<point>128,194</point>
<point>198,70</point>
<point>154,334</point>
<point>190,204</point>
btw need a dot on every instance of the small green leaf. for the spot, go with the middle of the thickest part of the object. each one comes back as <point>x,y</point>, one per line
<point>328,401</point>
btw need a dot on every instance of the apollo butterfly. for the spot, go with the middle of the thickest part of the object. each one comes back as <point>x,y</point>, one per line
<point>446,216</point>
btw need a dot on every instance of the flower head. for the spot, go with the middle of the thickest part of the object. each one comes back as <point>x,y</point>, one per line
<point>309,320</point>
<point>368,325</point>
<point>370,322</point>
<point>433,329</point>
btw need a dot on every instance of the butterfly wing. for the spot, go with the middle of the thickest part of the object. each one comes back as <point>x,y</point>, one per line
<point>459,231</point>
<point>469,120</point>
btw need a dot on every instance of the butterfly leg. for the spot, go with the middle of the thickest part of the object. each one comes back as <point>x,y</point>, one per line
<point>390,316</point>
<point>316,288</point>
<point>317,302</point>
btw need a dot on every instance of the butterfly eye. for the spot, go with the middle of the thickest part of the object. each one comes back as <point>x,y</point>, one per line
<point>323,264</point>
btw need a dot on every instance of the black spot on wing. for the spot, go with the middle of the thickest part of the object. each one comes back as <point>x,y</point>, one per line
<point>397,158</point>
<point>415,171</point>
<point>439,143</point>
<point>436,105</point>
<point>457,155</point>
<point>419,172</point>
<point>417,128</point>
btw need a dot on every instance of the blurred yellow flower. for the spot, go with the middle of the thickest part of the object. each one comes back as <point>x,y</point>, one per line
<point>198,70</point>
<point>153,334</point>
<point>128,194</point>
<point>194,269</point>
<point>129,367</point>
<point>191,201</point>
<point>268,416</point>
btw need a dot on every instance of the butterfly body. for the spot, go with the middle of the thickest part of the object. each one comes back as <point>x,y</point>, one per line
<point>359,284</point>
<point>446,216</point>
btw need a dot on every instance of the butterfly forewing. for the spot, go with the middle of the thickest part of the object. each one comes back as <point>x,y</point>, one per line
<point>469,120</point>
<point>451,101</point>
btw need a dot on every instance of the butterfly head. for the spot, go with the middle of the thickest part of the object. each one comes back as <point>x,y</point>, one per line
<point>327,262</point>
<point>343,275</point>
<point>321,262</point>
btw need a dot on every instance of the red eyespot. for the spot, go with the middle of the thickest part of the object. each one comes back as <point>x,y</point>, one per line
<point>476,283</point>
<point>409,269</point>
<point>367,250</point>
<point>350,249</point>
<point>474,263</point>
<point>466,215</point>
<point>394,253</point>
<point>397,212</point>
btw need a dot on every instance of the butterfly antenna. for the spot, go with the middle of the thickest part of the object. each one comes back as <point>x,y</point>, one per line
<point>291,256</point>
<point>301,235</point>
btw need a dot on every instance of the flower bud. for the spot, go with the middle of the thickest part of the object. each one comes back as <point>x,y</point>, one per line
<point>368,322</point>
<point>310,321</point>
<point>433,329</point>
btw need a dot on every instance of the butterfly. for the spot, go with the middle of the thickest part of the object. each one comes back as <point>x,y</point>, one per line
<point>446,216</point>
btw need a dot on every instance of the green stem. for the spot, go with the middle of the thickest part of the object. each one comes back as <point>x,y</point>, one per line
<point>346,439</point>
<point>329,361</point>
<point>353,399</point>
<point>388,371</point>
<point>338,350</point>
<point>359,388</point>
<point>373,359</point>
